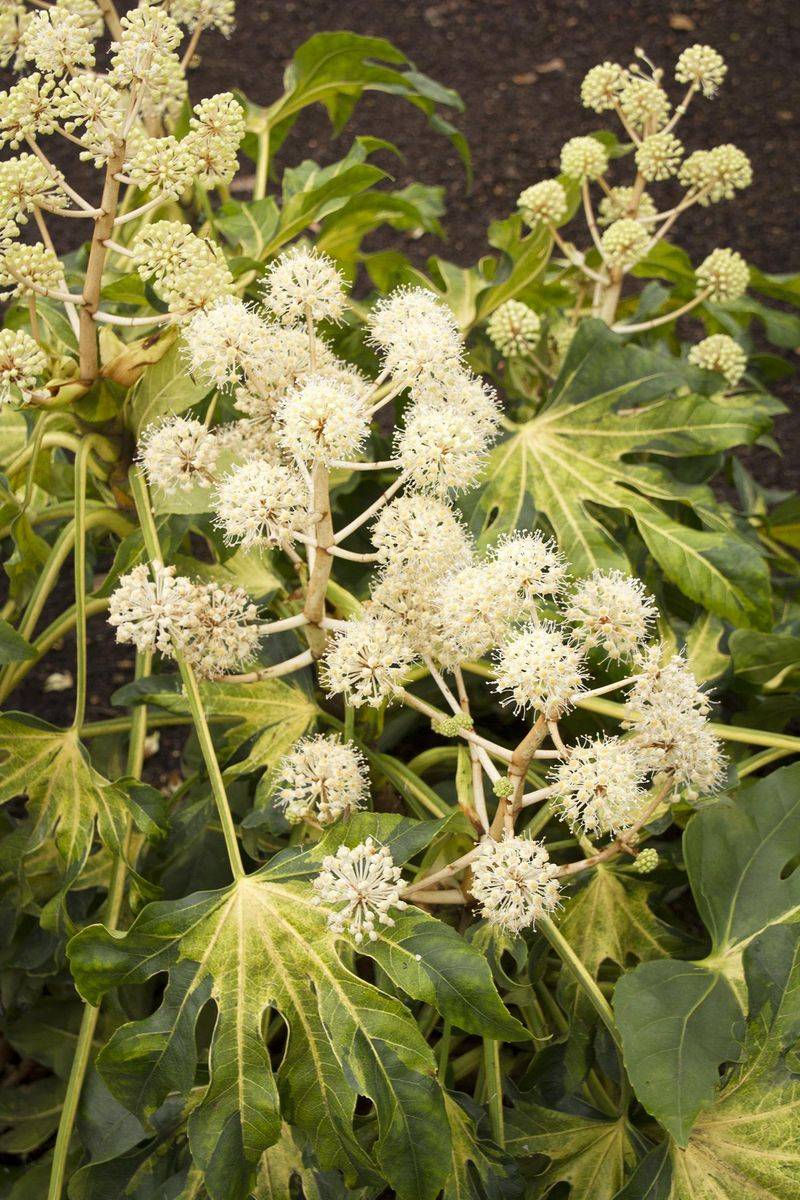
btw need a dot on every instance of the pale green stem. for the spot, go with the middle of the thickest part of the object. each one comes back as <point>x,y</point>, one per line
<point>79,559</point>
<point>150,535</point>
<point>494,1089</point>
<point>262,166</point>
<point>582,977</point>
<point>91,1014</point>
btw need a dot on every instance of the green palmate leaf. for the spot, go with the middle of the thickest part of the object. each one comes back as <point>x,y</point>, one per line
<point>610,920</point>
<point>479,1170</point>
<point>525,256</point>
<point>615,417</point>
<point>315,193</point>
<point>248,225</point>
<point>590,1153</point>
<point>416,207</point>
<point>163,388</point>
<point>254,946</point>
<point>273,713</point>
<point>679,1023</point>
<point>252,570</point>
<point>29,1115</point>
<point>747,1145</point>
<point>282,1168</point>
<point>67,797</point>
<point>738,854</point>
<point>764,658</point>
<point>334,69</point>
<point>13,647</point>
<point>704,657</point>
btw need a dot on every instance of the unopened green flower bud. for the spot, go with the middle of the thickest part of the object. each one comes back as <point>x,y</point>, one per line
<point>646,861</point>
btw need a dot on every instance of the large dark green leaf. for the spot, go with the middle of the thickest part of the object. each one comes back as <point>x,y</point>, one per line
<point>334,69</point>
<point>615,417</point>
<point>741,855</point>
<point>590,1153</point>
<point>679,1023</point>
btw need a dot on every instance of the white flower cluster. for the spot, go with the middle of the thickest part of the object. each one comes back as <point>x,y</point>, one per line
<point>668,716</point>
<point>600,786</point>
<point>514,882</point>
<point>212,627</point>
<point>107,115</point>
<point>629,214</point>
<point>322,779</point>
<point>22,362</point>
<point>188,272</point>
<point>722,354</point>
<point>365,882</point>
<point>514,328</point>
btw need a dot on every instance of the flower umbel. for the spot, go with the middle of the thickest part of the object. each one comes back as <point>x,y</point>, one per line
<point>366,883</point>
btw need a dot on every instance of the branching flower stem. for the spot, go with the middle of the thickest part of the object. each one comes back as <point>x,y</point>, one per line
<point>192,690</point>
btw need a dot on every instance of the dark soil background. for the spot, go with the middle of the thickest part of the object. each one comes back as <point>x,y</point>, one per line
<point>518,65</point>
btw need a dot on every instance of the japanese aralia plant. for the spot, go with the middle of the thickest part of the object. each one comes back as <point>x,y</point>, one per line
<point>470,885</point>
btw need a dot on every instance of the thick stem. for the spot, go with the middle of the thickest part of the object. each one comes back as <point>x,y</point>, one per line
<point>103,228</point>
<point>262,166</point>
<point>150,535</point>
<point>79,559</point>
<point>314,609</point>
<point>111,17</point>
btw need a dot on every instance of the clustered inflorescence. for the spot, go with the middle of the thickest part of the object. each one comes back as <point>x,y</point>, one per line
<point>436,602</point>
<point>628,223</point>
<point>116,118</point>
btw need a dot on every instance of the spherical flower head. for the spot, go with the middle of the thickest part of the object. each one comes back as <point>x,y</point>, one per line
<point>366,883</point>
<point>215,132</point>
<point>584,158</point>
<point>474,607</point>
<point>29,109</point>
<point>532,567</point>
<point>25,183</point>
<point>189,272</point>
<point>600,787</point>
<point>725,273</point>
<point>514,329</point>
<point>261,502</point>
<point>703,67</point>
<point>208,14</point>
<point>514,882</point>
<point>647,861</point>
<point>278,362</point>
<point>658,156</point>
<point>602,85</point>
<point>145,54</point>
<point>88,12</point>
<point>58,42</point>
<point>620,201</point>
<point>441,449</point>
<point>162,163</point>
<point>148,605</point>
<point>644,103</point>
<point>365,662</point>
<point>624,243</point>
<point>249,439</point>
<point>539,669</point>
<point>13,18</point>
<point>25,268</point>
<point>668,716</point>
<point>22,361</point>
<point>544,202</point>
<point>460,391</point>
<point>323,421</point>
<point>220,633</point>
<point>406,599</point>
<point>722,354</point>
<point>322,779</point>
<point>728,170</point>
<point>220,340</point>
<point>418,336</point>
<point>178,453</point>
<point>420,534</point>
<point>611,612</point>
<point>303,285</point>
